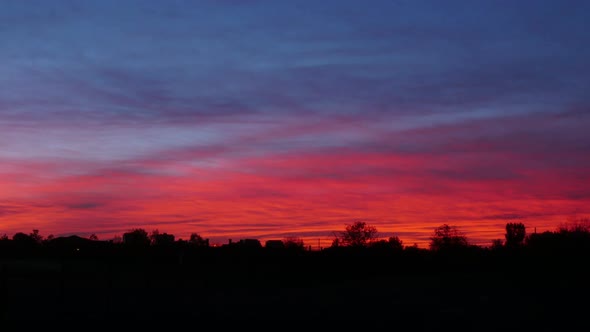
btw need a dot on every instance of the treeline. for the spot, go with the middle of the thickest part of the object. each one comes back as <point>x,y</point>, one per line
<point>573,236</point>
<point>530,281</point>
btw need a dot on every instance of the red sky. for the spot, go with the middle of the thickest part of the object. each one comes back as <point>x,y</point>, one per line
<point>423,178</point>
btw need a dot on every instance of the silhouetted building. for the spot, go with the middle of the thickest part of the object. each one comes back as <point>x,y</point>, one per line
<point>250,243</point>
<point>244,243</point>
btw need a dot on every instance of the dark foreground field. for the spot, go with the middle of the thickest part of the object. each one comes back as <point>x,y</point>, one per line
<point>305,291</point>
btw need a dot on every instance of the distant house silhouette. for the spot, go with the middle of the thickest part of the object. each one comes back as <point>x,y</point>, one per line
<point>69,240</point>
<point>76,244</point>
<point>250,243</point>
<point>244,244</point>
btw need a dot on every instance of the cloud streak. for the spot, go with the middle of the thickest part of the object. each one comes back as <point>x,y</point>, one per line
<point>238,191</point>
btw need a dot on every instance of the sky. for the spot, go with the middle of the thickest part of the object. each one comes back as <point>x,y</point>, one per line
<point>268,119</point>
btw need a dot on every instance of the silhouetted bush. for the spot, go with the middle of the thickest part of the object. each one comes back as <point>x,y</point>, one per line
<point>198,241</point>
<point>391,244</point>
<point>293,243</point>
<point>447,238</point>
<point>161,239</point>
<point>497,244</point>
<point>136,238</point>
<point>24,240</point>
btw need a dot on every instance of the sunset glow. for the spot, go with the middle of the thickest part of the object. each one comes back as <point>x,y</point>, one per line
<point>262,119</point>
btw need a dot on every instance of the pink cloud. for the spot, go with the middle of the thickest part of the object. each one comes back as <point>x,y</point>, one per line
<point>468,175</point>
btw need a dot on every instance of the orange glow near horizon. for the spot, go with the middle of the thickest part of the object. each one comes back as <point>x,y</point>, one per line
<point>308,196</point>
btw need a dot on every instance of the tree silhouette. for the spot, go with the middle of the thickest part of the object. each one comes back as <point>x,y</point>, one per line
<point>293,243</point>
<point>93,237</point>
<point>137,237</point>
<point>335,242</point>
<point>515,234</point>
<point>447,237</point>
<point>359,234</point>
<point>161,239</point>
<point>4,237</point>
<point>497,243</point>
<point>198,241</point>
<point>393,243</point>
<point>24,240</point>
<point>38,238</point>
<point>581,225</point>
<point>573,236</point>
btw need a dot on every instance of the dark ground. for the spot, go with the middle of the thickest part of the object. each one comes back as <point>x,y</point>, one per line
<point>350,292</point>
